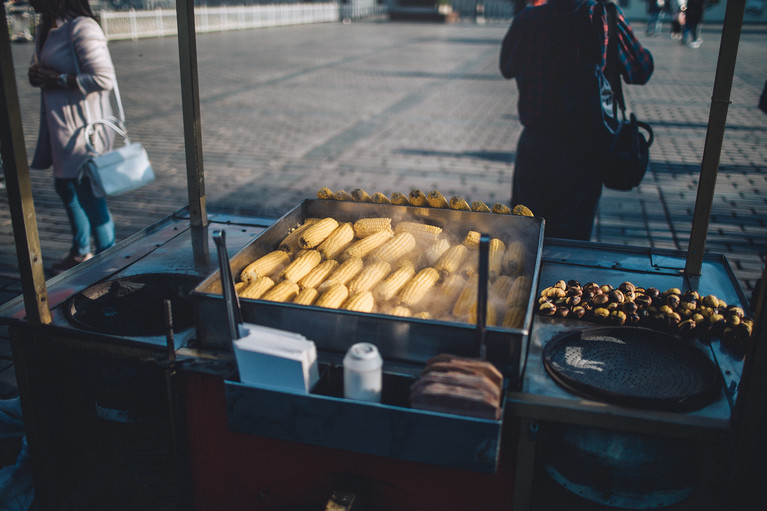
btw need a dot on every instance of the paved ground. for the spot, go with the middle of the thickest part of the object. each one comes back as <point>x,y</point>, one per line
<point>391,106</point>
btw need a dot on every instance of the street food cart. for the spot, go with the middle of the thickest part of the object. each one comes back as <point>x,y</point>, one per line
<point>131,395</point>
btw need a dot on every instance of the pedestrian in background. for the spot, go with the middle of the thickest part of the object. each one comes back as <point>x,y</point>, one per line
<point>693,15</point>
<point>655,10</point>
<point>69,39</point>
<point>548,49</point>
<point>677,17</point>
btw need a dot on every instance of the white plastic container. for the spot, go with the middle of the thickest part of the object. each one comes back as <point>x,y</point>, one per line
<point>362,373</point>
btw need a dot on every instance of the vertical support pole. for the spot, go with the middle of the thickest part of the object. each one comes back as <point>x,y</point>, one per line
<point>190,103</point>
<point>20,201</point>
<point>720,102</point>
<point>525,469</point>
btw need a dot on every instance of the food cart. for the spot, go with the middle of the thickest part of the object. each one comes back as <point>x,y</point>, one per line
<point>131,348</point>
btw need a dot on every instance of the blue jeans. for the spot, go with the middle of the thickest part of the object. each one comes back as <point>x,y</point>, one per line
<point>88,215</point>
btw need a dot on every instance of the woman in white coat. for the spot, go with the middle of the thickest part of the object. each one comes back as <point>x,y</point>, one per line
<point>74,71</point>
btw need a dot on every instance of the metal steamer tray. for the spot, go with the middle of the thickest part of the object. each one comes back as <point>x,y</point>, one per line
<point>398,339</point>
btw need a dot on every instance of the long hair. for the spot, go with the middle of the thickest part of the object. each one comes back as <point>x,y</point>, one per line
<point>71,9</point>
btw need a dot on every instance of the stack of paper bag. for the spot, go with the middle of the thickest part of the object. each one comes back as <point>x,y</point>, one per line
<point>272,358</point>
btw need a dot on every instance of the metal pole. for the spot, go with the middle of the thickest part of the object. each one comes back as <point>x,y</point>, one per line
<point>190,102</point>
<point>720,102</point>
<point>20,201</point>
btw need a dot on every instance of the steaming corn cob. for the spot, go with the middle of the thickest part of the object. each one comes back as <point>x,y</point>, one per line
<point>497,251</point>
<point>290,243</point>
<point>490,315</point>
<point>480,206</point>
<point>422,315</point>
<point>239,286</point>
<point>282,292</point>
<point>471,239</point>
<point>423,233</point>
<point>432,254</point>
<point>387,289</point>
<point>360,195</point>
<point>333,297</point>
<point>466,298</point>
<point>318,274</point>
<point>514,258</point>
<point>437,200</point>
<point>470,266</point>
<point>379,198</point>
<point>256,288</point>
<point>401,311</point>
<point>447,293</point>
<point>459,203</point>
<point>337,241</point>
<point>500,289</point>
<point>452,259</point>
<point>417,288</point>
<point>522,210</point>
<point>325,193</point>
<point>301,265</point>
<point>519,292</point>
<point>364,227</point>
<point>343,274</point>
<point>343,195</point>
<point>370,275</point>
<point>360,302</point>
<point>317,233</point>
<point>306,296</point>
<point>396,247</point>
<point>363,247</point>
<point>265,265</point>
<point>501,209</point>
<point>514,318</point>
<point>418,198</point>
<point>400,199</point>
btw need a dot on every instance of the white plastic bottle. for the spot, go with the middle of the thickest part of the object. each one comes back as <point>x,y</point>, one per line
<point>362,373</point>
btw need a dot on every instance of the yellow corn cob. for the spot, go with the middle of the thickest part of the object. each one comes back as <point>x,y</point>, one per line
<point>466,298</point>
<point>395,248</point>
<point>514,258</point>
<point>423,233</point>
<point>317,232</point>
<point>400,199</point>
<point>380,198</point>
<point>422,315</point>
<point>500,289</point>
<point>501,209</point>
<point>470,266</point>
<point>360,195</point>
<point>363,247</point>
<point>318,274</point>
<point>490,315</point>
<point>370,275</point>
<point>360,302</point>
<point>301,265</point>
<point>364,227</point>
<point>290,243</point>
<point>459,203</point>
<point>343,274</point>
<point>437,200</point>
<point>497,251</point>
<point>337,241</point>
<point>265,265</point>
<point>451,260</point>
<point>387,289</point>
<point>282,292</point>
<point>432,254</point>
<point>522,210</point>
<point>471,239</point>
<point>256,288</point>
<point>480,206</point>
<point>514,318</point>
<point>306,296</point>
<point>325,193</point>
<point>519,292</point>
<point>333,297</point>
<point>417,288</point>
<point>343,195</point>
<point>401,311</point>
<point>446,294</point>
<point>239,286</point>
<point>418,198</point>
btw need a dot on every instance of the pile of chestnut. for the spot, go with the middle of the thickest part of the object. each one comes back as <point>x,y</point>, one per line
<point>685,313</point>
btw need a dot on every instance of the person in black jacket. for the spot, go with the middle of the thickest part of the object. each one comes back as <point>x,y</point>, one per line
<point>693,15</point>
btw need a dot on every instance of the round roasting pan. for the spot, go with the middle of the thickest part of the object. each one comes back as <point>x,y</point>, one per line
<point>133,306</point>
<point>634,367</point>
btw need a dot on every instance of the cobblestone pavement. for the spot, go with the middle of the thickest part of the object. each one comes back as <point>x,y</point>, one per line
<point>392,106</point>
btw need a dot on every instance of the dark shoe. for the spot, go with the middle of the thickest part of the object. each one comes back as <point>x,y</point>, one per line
<point>70,261</point>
